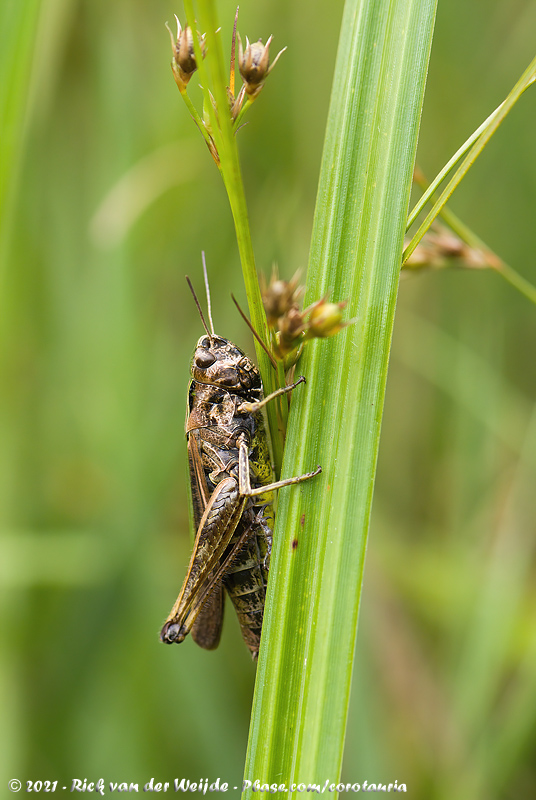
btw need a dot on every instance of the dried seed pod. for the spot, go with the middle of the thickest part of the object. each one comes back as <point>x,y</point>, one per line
<point>279,296</point>
<point>291,327</point>
<point>183,62</point>
<point>254,64</point>
<point>440,249</point>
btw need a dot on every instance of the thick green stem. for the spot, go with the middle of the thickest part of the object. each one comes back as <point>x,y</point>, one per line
<point>213,77</point>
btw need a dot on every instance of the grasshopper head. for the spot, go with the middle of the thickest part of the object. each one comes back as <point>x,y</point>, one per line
<point>219,362</point>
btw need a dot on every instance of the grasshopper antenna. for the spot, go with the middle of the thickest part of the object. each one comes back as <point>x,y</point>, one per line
<point>209,306</point>
<point>205,326</point>
<point>254,332</point>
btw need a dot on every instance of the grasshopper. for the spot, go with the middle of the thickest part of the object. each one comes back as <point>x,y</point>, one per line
<point>231,493</point>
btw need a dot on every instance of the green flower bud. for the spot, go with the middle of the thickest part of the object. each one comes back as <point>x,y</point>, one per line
<point>326,319</point>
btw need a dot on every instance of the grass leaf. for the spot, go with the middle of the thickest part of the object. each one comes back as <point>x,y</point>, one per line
<point>303,678</point>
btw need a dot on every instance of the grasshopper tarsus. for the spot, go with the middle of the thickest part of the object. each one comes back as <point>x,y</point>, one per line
<point>171,633</point>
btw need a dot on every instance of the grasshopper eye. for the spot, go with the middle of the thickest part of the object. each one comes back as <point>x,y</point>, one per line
<point>204,359</point>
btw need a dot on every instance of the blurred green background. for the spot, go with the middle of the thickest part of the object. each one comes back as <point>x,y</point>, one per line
<point>108,197</point>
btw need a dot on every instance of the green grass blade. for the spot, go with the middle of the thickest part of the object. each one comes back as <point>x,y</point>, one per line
<point>451,163</point>
<point>493,122</point>
<point>303,678</point>
<point>18,23</point>
<point>18,26</point>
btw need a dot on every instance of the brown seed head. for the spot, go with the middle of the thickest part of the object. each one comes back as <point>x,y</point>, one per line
<point>183,62</point>
<point>254,65</point>
<point>440,249</point>
<point>292,324</point>
<point>291,328</point>
<point>279,297</point>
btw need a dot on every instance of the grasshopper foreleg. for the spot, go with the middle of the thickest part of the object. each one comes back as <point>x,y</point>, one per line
<point>244,483</point>
<point>278,392</point>
<point>244,480</point>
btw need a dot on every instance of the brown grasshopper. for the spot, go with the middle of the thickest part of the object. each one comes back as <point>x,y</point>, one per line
<point>231,491</point>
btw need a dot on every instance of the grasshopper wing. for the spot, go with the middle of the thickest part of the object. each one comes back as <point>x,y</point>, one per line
<point>207,628</point>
